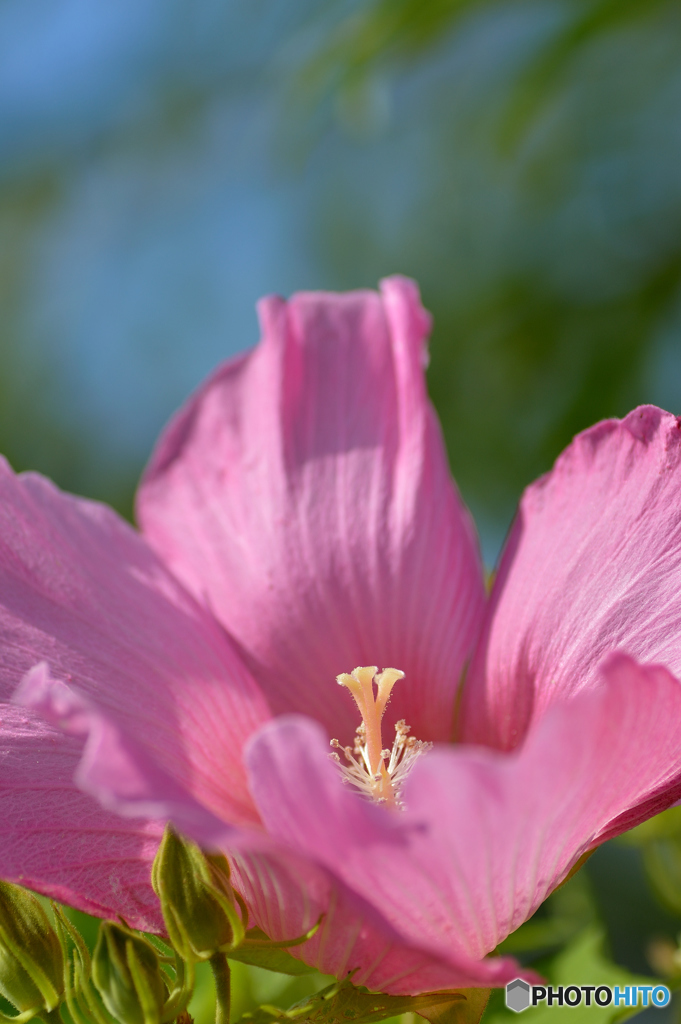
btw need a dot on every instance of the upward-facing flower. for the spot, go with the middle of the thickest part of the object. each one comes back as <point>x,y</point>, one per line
<point>298,520</point>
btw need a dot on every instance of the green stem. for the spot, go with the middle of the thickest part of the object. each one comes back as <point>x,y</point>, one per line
<point>220,969</point>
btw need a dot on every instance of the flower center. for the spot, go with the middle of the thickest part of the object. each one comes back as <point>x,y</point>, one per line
<point>377,773</point>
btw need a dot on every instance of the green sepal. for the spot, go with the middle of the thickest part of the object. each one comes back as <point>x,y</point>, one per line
<point>468,1010</point>
<point>257,950</point>
<point>347,1002</point>
<point>197,900</point>
<point>31,961</point>
<point>20,1018</point>
<point>65,928</point>
<point>127,974</point>
<point>81,1000</point>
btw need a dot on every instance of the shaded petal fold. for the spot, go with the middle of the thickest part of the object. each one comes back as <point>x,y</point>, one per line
<point>286,895</point>
<point>114,769</point>
<point>485,836</point>
<point>303,494</point>
<point>592,565</point>
<point>59,841</point>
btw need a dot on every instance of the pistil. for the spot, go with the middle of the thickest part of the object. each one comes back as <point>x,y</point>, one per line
<point>366,767</point>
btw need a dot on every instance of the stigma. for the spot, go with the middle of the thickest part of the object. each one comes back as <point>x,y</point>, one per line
<point>377,773</point>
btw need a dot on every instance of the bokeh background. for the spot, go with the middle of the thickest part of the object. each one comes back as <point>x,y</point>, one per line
<point>163,163</point>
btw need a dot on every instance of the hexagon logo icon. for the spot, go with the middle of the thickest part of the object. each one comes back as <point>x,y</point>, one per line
<point>517,995</point>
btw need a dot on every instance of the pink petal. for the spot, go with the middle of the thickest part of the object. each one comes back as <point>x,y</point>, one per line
<point>486,836</point>
<point>304,495</point>
<point>59,841</point>
<point>82,591</point>
<point>592,564</point>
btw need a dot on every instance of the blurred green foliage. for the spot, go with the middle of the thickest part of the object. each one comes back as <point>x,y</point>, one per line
<point>406,30</point>
<point>541,221</point>
<point>582,959</point>
<point>659,839</point>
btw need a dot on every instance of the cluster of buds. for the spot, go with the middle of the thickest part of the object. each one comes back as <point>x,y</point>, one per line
<point>45,962</point>
<point>31,958</point>
<point>131,978</point>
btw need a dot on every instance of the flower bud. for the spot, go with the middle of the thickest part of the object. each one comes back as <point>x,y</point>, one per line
<point>197,899</point>
<point>31,959</point>
<point>127,974</point>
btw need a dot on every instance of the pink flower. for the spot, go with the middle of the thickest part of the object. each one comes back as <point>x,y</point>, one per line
<point>298,520</point>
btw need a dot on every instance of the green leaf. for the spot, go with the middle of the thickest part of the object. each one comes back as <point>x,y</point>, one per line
<point>582,963</point>
<point>278,960</point>
<point>343,1001</point>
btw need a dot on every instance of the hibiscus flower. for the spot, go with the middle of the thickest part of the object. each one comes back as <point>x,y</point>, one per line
<point>298,520</point>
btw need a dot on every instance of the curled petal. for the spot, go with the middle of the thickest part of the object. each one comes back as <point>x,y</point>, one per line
<point>304,495</point>
<point>114,769</point>
<point>592,565</point>
<point>286,896</point>
<point>82,591</point>
<point>485,836</point>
